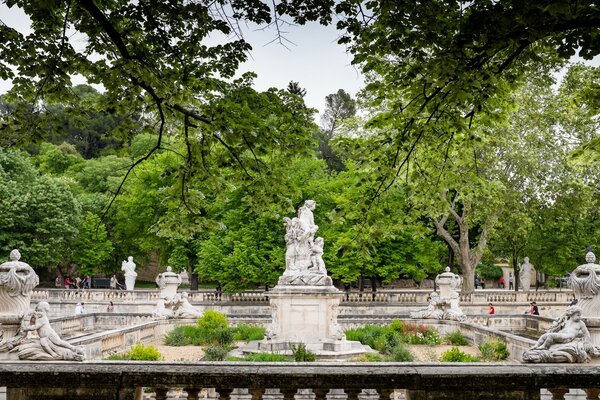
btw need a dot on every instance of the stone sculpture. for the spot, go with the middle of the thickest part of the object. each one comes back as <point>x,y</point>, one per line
<point>183,308</point>
<point>567,341</point>
<point>17,280</point>
<point>128,267</point>
<point>525,274</point>
<point>163,309</point>
<point>585,282</point>
<point>446,303</point>
<point>168,282</point>
<point>304,254</point>
<point>47,346</point>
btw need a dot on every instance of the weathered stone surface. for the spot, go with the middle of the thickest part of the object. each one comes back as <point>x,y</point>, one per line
<point>567,341</point>
<point>585,282</point>
<point>445,304</point>
<point>304,264</point>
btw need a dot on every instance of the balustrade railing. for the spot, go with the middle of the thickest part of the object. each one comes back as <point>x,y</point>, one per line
<point>318,381</point>
<point>408,296</point>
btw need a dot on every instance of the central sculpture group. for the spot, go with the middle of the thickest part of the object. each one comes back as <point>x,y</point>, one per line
<point>304,263</point>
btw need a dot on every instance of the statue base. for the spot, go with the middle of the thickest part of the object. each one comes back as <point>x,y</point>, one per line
<point>9,325</point>
<point>306,315</point>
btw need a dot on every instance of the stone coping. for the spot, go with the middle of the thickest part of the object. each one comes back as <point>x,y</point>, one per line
<point>414,376</point>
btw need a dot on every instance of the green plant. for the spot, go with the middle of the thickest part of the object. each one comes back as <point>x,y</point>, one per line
<point>211,320</point>
<point>301,354</point>
<point>215,353</point>
<point>139,352</point>
<point>248,332</point>
<point>266,357</point>
<point>117,357</point>
<point>401,353</point>
<point>494,350</point>
<point>456,338</point>
<point>177,337</point>
<point>455,355</point>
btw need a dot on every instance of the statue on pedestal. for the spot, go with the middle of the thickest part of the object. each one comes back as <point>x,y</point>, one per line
<point>567,341</point>
<point>445,304</point>
<point>304,254</point>
<point>585,282</point>
<point>525,274</point>
<point>128,267</point>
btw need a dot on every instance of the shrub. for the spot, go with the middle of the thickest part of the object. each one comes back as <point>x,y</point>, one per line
<point>177,337</point>
<point>494,350</point>
<point>302,354</point>
<point>401,353</point>
<point>455,355</point>
<point>212,320</point>
<point>456,338</point>
<point>248,332</point>
<point>266,357</point>
<point>215,353</point>
<point>139,352</point>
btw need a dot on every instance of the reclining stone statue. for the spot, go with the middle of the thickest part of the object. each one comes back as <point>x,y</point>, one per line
<point>48,345</point>
<point>567,341</point>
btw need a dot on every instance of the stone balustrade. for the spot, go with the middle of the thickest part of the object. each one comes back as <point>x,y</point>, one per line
<point>383,303</point>
<point>125,380</point>
<point>409,296</point>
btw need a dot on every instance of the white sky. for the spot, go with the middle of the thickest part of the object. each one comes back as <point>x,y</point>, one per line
<point>315,60</point>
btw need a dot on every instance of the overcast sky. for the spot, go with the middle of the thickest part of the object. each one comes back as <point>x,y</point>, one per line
<point>315,60</point>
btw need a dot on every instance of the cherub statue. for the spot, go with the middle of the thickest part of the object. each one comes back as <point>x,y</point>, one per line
<point>49,346</point>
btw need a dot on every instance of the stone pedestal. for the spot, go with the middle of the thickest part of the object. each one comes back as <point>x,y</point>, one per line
<point>306,314</point>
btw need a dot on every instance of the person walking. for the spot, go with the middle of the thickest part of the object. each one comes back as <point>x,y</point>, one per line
<point>501,282</point>
<point>110,307</point>
<point>510,281</point>
<point>491,311</point>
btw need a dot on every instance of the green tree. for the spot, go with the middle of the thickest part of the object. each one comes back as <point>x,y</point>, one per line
<point>39,213</point>
<point>436,65</point>
<point>92,248</point>
<point>339,106</point>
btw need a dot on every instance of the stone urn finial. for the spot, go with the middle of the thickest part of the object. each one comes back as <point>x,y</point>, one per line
<point>590,257</point>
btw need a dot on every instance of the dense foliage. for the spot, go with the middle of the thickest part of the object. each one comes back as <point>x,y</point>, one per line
<point>464,141</point>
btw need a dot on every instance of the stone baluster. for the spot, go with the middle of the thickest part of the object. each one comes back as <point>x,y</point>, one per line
<point>558,393</point>
<point>192,393</point>
<point>224,394</point>
<point>592,393</point>
<point>257,394</point>
<point>353,393</point>
<point>320,394</point>
<point>385,394</point>
<point>161,393</point>
<point>289,394</point>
